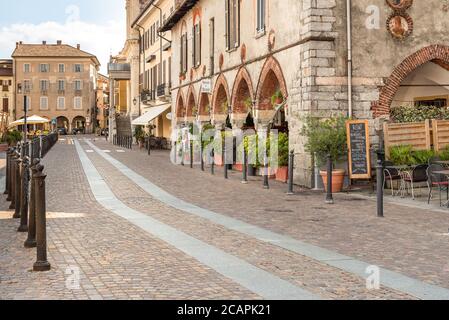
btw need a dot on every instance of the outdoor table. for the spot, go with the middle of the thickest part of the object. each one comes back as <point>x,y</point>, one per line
<point>404,172</point>
<point>442,162</point>
<point>444,173</point>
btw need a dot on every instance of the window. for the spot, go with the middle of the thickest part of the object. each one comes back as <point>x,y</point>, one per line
<point>26,86</point>
<point>78,85</point>
<point>232,24</point>
<point>260,16</point>
<point>5,105</point>
<point>78,103</point>
<point>61,85</point>
<point>43,85</point>
<point>439,102</point>
<point>44,103</point>
<point>197,45</point>
<point>60,103</point>
<point>44,67</point>
<point>26,68</point>
<point>212,46</point>
<point>184,53</point>
<point>78,67</point>
<point>61,68</point>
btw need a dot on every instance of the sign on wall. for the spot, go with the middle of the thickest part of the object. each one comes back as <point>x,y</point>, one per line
<point>206,86</point>
<point>359,149</point>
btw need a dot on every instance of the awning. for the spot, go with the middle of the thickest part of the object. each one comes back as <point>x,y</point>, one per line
<point>30,120</point>
<point>151,115</point>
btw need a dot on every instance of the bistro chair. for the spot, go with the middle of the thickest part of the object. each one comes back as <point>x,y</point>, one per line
<point>392,174</point>
<point>437,180</point>
<point>419,174</point>
<point>434,160</point>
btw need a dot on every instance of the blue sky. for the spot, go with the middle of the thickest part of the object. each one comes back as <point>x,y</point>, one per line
<point>98,25</point>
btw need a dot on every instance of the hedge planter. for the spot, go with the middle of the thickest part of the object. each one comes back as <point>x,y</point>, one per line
<point>338,177</point>
<point>282,174</point>
<point>252,171</point>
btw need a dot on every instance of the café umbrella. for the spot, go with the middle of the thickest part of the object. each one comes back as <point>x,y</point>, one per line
<point>30,120</point>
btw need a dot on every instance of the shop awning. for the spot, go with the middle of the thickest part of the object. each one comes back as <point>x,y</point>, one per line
<point>30,120</point>
<point>151,115</point>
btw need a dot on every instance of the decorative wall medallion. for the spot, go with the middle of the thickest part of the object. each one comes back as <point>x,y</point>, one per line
<point>221,61</point>
<point>400,25</point>
<point>243,53</point>
<point>400,4</point>
<point>271,40</point>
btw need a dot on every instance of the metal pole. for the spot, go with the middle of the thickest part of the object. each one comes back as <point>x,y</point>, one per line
<point>7,171</point>
<point>245,167</point>
<point>291,162</point>
<point>266,184</point>
<point>224,160</point>
<point>191,153</point>
<point>41,263</point>
<point>329,197</point>
<point>31,240</point>
<point>380,188</point>
<point>149,146</point>
<point>17,192</point>
<point>201,153</point>
<point>24,203</point>
<point>12,174</point>
<point>212,165</point>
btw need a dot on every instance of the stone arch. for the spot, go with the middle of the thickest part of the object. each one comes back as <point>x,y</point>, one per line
<point>204,106</point>
<point>271,79</point>
<point>79,122</point>
<point>191,103</point>
<point>63,122</point>
<point>220,96</point>
<point>242,90</point>
<point>434,53</point>
<point>180,107</point>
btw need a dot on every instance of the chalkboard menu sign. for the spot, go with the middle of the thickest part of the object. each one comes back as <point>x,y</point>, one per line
<point>359,149</point>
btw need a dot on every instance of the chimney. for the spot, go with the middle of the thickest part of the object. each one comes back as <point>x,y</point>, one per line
<point>78,46</point>
<point>44,42</point>
<point>20,42</point>
<point>59,42</point>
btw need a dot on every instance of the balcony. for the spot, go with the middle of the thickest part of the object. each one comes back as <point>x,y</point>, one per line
<point>119,71</point>
<point>163,92</point>
<point>147,96</point>
<point>181,8</point>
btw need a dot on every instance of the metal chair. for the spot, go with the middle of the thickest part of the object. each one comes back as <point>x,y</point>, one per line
<point>434,160</point>
<point>392,174</point>
<point>419,174</point>
<point>437,180</point>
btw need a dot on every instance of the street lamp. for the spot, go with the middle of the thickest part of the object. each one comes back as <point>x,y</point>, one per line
<point>135,101</point>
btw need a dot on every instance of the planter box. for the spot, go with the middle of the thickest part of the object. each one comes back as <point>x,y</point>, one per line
<point>4,147</point>
<point>338,177</point>
<point>271,172</point>
<point>252,172</point>
<point>238,167</point>
<point>282,174</point>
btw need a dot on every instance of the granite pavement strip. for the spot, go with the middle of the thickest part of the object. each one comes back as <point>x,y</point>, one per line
<point>116,259</point>
<point>411,241</point>
<point>318,278</point>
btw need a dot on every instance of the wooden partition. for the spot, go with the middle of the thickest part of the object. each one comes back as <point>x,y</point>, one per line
<point>415,134</point>
<point>440,134</point>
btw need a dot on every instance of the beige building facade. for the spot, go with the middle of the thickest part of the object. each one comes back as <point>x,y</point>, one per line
<point>102,102</point>
<point>6,92</point>
<point>232,59</point>
<point>59,82</point>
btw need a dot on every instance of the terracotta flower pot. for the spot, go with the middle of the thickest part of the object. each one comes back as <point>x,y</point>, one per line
<point>238,167</point>
<point>218,160</point>
<point>282,174</point>
<point>338,177</point>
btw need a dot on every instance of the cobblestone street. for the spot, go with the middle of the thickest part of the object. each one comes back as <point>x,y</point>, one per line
<point>138,227</point>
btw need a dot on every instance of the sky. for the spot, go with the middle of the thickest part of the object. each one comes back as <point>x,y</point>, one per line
<point>98,25</point>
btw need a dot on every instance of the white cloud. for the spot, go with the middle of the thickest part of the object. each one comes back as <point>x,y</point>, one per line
<point>100,40</point>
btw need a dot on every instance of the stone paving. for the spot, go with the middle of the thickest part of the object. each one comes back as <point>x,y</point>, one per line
<point>120,261</point>
<point>116,260</point>
<point>409,240</point>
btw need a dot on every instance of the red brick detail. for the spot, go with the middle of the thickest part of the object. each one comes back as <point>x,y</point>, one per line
<point>271,79</point>
<point>180,107</point>
<point>387,93</point>
<point>220,95</point>
<point>191,101</point>
<point>204,104</point>
<point>242,90</point>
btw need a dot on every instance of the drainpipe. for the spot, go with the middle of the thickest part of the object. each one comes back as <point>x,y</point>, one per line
<point>140,28</point>
<point>349,38</point>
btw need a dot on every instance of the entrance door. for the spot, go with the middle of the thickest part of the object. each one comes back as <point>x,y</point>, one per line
<point>5,105</point>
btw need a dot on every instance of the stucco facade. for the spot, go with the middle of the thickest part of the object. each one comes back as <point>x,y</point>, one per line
<point>304,53</point>
<point>7,90</point>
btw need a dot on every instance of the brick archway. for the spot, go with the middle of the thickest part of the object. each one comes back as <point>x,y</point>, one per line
<point>220,95</point>
<point>271,79</point>
<point>435,53</point>
<point>242,90</point>
<point>204,104</point>
<point>180,107</point>
<point>191,102</point>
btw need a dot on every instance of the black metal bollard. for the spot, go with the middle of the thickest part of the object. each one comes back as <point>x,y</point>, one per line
<point>24,196</point>
<point>149,146</point>
<point>245,167</point>
<point>12,180</point>
<point>291,164</point>
<point>8,174</point>
<point>202,156</point>
<point>329,197</point>
<point>266,184</point>
<point>191,154</point>
<point>30,242</point>
<point>224,160</point>
<point>380,188</point>
<point>17,186</point>
<point>212,165</point>
<point>41,263</point>
<point>7,171</point>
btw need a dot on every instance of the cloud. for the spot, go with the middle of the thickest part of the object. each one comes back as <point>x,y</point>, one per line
<point>100,40</point>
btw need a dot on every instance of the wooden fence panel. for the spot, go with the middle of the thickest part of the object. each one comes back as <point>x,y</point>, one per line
<point>415,134</point>
<point>440,134</point>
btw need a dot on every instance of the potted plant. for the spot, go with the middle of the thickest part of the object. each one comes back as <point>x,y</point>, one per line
<point>139,135</point>
<point>277,98</point>
<point>327,137</point>
<point>283,153</point>
<point>12,137</point>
